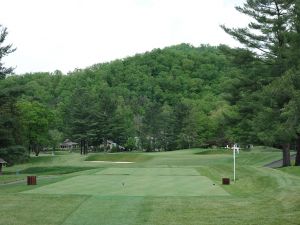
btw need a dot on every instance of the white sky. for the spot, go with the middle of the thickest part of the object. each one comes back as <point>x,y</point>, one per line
<point>69,34</point>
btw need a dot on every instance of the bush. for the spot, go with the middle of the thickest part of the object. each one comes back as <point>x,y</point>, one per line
<point>114,149</point>
<point>130,144</point>
<point>99,149</point>
<point>14,154</point>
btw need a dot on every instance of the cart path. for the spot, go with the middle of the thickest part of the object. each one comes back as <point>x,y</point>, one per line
<point>278,163</point>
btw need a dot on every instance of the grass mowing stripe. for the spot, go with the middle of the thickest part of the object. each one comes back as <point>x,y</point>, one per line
<point>20,209</point>
<point>123,157</point>
<point>150,171</point>
<point>54,170</point>
<point>259,196</point>
<point>108,211</point>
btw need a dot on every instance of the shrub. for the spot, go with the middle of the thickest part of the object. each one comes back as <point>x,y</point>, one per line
<point>14,154</point>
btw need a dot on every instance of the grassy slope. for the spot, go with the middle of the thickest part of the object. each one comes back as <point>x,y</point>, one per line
<point>260,195</point>
<point>120,157</point>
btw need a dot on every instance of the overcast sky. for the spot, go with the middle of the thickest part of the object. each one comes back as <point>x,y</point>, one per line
<point>69,34</point>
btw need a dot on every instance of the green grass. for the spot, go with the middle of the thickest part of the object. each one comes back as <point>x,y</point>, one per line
<point>150,171</point>
<point>214,152</point>
<point>295,170</point>
<point>4,179</point>
<point>53,170</point>
<point>119,157</point>
<point>20,209</point>
<point>158,189</point>
<point>124,185</point>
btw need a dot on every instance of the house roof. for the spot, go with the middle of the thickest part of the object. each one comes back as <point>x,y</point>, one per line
<point>2,161</point>
<point>67,142</point>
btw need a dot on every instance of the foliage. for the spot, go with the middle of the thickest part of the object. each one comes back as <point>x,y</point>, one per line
<point>35,120</point>
<point>164,100</point>
<point>10,128</point>
<point>14,154</point>
<point>173,98</point>
<point>274,31</point>
<point>4,51</point>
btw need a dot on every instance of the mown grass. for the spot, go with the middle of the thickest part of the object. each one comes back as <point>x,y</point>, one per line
<point>20,209</point>
<point>119,157</point>
<point>294,170</point>
<point>259,196</point>
<point>214,151</point>
<point>53,170</point>
<point>4,179</point>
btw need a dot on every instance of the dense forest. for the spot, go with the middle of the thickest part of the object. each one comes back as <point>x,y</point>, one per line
<point>173,98</point>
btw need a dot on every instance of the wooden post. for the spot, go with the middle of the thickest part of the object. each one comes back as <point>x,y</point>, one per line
<point>0,168</point>
<point>31,180</point>
<point>225,181</point>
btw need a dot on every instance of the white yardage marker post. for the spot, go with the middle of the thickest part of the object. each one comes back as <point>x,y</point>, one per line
<point>235,148</point>
<point>234,164</point>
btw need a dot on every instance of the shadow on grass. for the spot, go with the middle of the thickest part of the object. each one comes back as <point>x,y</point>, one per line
<point>119,157</point>
<point>53,170</point>
<point>214,152</point>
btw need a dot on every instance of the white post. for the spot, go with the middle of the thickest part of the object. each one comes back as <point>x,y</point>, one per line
<point>234,164</point>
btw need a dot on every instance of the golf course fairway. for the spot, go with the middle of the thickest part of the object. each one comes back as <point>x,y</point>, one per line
<point>179,187</point>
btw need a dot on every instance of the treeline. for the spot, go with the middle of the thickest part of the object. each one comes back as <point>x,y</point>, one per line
<point>161,100</point>
<point>173,98</point>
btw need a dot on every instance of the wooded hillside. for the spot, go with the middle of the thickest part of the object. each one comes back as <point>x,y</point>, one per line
<point>166,99</point>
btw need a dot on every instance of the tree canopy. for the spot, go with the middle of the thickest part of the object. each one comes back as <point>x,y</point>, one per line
<point>4,51</point>
<point>173,98</point>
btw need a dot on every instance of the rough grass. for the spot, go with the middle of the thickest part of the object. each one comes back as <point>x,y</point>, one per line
<point>163,181</point>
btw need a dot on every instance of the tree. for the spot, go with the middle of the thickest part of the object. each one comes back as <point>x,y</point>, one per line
<point>4,51</point>
<point>35,120</point>
<point>290,111</point>
<point>269,33</point>
<point>241,90</point>
<point>81,117</point>
<point>164,99</point>
<point>55,136</point>
<point>10,128</point>
<point>294,55</point>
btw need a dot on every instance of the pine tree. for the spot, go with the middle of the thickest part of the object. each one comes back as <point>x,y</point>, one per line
<point>4,51</point>
<point>270,36</point>
<point>268,33</point>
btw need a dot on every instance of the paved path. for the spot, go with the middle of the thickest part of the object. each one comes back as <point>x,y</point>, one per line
<point>278,163</point>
